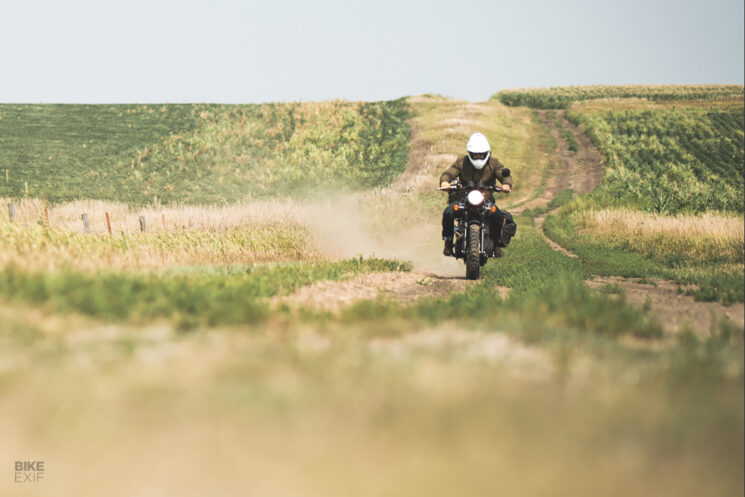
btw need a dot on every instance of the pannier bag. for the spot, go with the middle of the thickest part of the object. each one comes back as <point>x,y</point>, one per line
<point>508,229</point>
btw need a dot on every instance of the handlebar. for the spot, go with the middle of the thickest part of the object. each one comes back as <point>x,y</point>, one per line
<point>458,186</point>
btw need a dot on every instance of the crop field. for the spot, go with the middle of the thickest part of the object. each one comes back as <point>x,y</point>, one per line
<point>285,324</point>
<point>672,160</point>
<point>672,154</point>
<point>560,97</point>
<point>197,154</point>
<point>682,156</point>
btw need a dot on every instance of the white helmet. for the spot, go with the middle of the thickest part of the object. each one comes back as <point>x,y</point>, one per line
<point>478,150</point>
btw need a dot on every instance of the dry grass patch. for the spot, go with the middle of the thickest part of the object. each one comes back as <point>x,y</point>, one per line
<point>37,247</point>
<point>125,218</point>
<point>182,235</point>
<point>700,238</point>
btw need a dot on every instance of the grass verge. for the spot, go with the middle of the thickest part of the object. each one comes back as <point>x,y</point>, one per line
<point>209,295</point>
<point>718,277</point>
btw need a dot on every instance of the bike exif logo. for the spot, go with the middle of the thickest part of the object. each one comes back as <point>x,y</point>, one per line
<point>29,471</point>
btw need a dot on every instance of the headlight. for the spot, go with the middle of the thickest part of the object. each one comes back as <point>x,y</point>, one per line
<point>475,197</point>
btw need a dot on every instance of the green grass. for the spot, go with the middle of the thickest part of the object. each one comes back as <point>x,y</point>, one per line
<point>566,135</point>
<point>198,153</point>
<point>64,152</point>
<point>192,295</point>
<point>569,139</point>
<point>717,280</point>
<point>560,97</point>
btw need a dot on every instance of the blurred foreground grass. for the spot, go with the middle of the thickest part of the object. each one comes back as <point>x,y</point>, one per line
<point>343,410</point>
<point>554,391</point>
<point>190,296</point>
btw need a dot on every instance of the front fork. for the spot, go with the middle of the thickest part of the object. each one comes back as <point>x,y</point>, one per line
<point>483,241</point>
<point>461,240</point>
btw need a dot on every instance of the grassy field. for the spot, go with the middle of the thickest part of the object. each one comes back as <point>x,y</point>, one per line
<point>64,152</point>
<point>191,296</point>
<point>198,154</point>
<point>671,160</point>
<point>560,97</point>
<point>712,261</point>
<point>119,352</point>
<point>674,158</point>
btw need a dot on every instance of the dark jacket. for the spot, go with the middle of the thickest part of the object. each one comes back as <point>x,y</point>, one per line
<point>489,174</point>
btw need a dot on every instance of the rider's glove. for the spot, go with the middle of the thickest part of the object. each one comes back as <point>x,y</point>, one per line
<point>444,184</point>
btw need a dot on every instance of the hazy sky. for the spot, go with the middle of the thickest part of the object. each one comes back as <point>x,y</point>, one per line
<point>254,51</point>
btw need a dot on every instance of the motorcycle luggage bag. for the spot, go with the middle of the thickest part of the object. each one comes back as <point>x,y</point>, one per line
<point>509,228</point>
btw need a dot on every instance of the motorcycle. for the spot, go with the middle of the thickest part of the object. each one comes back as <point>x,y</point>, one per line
<point>473,243</point>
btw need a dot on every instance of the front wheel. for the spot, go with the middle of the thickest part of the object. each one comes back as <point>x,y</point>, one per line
<point>473,257</point>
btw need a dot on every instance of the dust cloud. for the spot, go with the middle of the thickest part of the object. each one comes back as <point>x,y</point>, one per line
<point>350,225</point>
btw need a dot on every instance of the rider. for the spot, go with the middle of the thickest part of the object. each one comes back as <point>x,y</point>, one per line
<point>478,166</point>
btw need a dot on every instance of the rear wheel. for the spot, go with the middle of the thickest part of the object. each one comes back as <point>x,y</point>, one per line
<point>473,257</point>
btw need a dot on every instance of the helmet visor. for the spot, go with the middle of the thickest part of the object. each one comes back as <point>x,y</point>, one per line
<point>478,155</point>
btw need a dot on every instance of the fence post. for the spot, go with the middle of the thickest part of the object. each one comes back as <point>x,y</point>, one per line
<point>86,222</point>
<point>163,218</point>
<point>46,215</point>
<point>108,223</point>
<point>143,224</point>
<point>12,212</point>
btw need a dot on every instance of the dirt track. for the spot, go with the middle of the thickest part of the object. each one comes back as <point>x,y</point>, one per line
<point>582,171</point>
<point>436,276</point>
<point>672,307</point>
<point>405,288</point>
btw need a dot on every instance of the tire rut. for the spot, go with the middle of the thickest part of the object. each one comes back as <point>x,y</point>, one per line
<point>580,171</point>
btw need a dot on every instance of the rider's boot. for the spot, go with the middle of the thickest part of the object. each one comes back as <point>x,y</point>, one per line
<point>498,252</point>
<point>448,250</point>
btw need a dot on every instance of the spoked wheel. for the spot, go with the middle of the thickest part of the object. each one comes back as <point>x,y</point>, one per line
<point>473,257</point>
